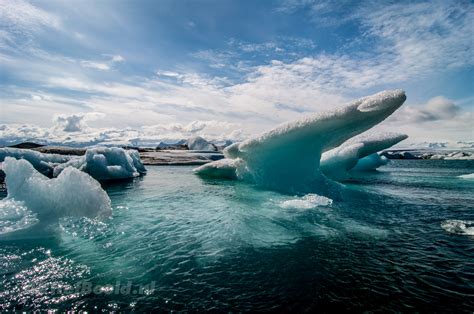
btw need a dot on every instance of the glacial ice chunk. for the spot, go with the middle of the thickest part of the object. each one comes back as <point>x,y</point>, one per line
<point>287,158</point>
<point>104,163</point>
<point>199,143</point>
<point>73,193</point>
<point>358,153</point>
<point>44,163</point>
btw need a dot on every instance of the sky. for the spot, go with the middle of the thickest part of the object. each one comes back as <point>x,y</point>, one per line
<point>143,71</point>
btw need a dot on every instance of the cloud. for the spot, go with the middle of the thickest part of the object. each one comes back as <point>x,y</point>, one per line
<point>22,17</point>
<point>252,85</point>
<point>117,58</point>
<point>75,122</point>
<point>104,66</point>
<point>436,109</point>
<point>20,21</point>
<point>70,123</point>
<point>95,65</point>
<point>84,135</point>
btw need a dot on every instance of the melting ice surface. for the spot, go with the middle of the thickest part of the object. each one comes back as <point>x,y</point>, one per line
<point>287,158</point>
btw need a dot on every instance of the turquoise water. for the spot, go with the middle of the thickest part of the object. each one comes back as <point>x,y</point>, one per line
<point>178,242</point>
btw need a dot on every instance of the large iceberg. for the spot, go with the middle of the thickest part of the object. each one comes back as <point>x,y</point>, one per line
<point>287,158</point>
<point>44,163</point>
<point>358,153</point>
<point>73,193</point>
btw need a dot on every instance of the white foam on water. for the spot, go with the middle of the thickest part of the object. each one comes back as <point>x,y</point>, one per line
<point>462,227</point>
<point>469,176</point>
<point>307,201</point>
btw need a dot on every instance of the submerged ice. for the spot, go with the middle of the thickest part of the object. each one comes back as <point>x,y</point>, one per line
<point>288,157</point>
<point>33,196</point>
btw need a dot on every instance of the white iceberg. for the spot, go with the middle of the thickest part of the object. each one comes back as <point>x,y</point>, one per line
<point>199,143</point>
<point>358,153</point>
<point>104,163</point>
<point>287,157</point>
<point>73,193</point>
<point>44,163</point>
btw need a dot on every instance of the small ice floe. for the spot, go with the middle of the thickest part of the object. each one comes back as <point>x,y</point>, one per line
<point>463,227</point>
<point>307,201</point>
<point>469,176</point>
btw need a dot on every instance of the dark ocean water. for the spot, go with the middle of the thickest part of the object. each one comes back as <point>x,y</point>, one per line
<point>397,239</point>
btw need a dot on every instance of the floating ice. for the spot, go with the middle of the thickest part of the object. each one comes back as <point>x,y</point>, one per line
<point>463,227</point>
<point>307,201</point>
<point>358,153</point>
<point>287,157</point>
<point>73,193</point>
<point>105,163</point>
<point>198,143</point>
<point>469,176</point>
<point>44,163</point>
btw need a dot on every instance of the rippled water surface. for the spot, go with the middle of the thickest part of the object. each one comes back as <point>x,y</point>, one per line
<point>395,239</point>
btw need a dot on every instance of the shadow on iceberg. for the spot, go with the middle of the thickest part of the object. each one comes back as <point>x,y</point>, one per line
<point>287,158</point>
